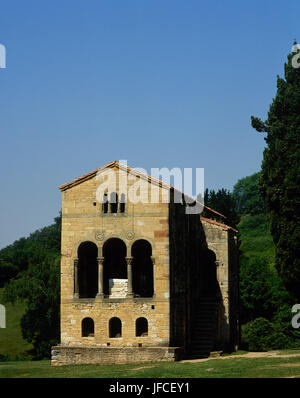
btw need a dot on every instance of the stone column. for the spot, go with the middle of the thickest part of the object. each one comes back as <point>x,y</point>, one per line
<point>129,276</point>
<point>153,263</point>
<point>76,284</point>
<point>100,261</point>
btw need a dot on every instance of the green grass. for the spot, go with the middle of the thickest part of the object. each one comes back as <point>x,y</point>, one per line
<point>11,340</point>
<point>220,368</point>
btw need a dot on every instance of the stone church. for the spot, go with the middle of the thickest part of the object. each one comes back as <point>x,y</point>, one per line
<point>143,280</point>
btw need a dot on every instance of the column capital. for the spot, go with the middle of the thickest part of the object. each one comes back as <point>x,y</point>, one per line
<point>129,260</point>
<point>76,261</point>
<point>100,260</point>
<point>152,259</point>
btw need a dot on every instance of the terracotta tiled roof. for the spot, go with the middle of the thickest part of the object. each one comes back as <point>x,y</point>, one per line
<point>129,169</point>
<point>209,220</point>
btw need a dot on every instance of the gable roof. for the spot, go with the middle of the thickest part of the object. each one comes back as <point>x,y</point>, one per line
<point>128,169</point>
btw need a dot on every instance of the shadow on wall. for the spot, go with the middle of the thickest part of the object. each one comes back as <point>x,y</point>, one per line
<point>194,284</point>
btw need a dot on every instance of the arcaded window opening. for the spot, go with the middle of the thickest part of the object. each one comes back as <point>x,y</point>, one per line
<point>87,327</point>
<point>113,202</point>
<point>87,270</point>
<point>122,203</point>
<point>142,269</point>
<point>105,203</point>
<point>141,327</point>
<point>115,265</point>
<point>115,328</point>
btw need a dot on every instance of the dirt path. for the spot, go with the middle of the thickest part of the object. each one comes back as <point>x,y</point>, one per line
<point>248,355</point>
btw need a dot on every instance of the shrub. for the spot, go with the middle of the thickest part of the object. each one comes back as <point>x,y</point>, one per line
<point>4,357</point>
<point>262,335</point>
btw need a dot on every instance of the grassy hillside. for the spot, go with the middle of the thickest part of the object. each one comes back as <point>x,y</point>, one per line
<point>255,237</point>
<point>29,270</point>
<point>11,340</point>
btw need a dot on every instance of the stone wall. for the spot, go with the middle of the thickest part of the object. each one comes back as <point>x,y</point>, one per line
<point>127,310</point>
<point>223,242</point>
<point>107,356</point>
<point>118,288</point>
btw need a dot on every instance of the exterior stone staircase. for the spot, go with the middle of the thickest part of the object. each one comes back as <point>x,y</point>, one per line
<point>203,337</point>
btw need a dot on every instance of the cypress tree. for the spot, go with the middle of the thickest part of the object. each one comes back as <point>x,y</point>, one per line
<point>280,176</point>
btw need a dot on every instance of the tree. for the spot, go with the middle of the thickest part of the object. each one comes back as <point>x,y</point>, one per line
<point>262,335</point>
<point>222,202</point>
<point>279,182</point>
<point>261,289</point>
<point>39,285</point>
<point>247,197</point>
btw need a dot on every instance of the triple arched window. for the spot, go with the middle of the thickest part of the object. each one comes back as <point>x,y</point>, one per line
<point>115,266</point>
<point>115,327</point>
<point>113,204</point>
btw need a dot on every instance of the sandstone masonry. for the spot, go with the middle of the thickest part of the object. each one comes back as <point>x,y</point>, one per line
<point>136,276</point>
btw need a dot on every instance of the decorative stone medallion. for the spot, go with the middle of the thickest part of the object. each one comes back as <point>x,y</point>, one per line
<point>129,235</point>
<point>100,235</point>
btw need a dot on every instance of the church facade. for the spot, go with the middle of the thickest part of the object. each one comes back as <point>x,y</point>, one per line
<point>143,280</point>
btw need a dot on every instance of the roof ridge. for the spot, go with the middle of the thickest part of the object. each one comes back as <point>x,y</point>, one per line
<point>119,165</point>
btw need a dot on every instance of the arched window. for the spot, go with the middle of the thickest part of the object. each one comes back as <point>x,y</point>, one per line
<point>115,327</point>
<point>105,203</point>
<point>141,327</point>
<point>87,327</point>
<point>142,268</point>
<point>88,269</point>
<point>122,203</point>
<point>113,202</point>
<point>115,265</point>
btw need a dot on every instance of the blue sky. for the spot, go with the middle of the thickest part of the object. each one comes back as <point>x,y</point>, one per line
<point>160,83</point>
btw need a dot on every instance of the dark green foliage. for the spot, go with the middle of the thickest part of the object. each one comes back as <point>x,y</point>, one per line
<point>17,257</point>
<point>261,289</point>
<point>262,335</point>
<point>223,202</point>
<point>282,322</point>
<point>247,197</point>
<point>39,285</point>
<point>280,176</point>
<point>262,292</point>
<point>256,239</point>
